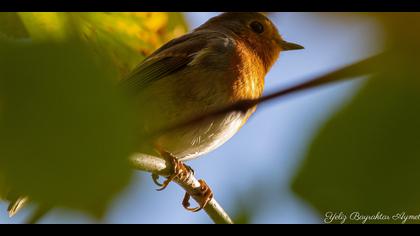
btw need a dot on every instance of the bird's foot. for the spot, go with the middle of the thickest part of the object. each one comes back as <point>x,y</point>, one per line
<point>183,172</point>
<point>204,192</point>
<point>180,171</point>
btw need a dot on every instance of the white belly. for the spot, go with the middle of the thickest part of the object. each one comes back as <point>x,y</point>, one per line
<point>195,140</point>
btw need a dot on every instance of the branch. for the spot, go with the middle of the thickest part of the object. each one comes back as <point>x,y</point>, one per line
<point>161,167</point>
<point>214,210</point>
<point>361,68</point>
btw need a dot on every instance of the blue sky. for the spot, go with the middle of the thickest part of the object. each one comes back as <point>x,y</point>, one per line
<point>264,155</point>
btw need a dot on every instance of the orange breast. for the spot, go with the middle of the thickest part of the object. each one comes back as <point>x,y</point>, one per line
<point>249,74</point>
<point>249,79</point>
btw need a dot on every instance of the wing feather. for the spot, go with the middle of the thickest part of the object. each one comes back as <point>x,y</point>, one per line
<point>170,58</point>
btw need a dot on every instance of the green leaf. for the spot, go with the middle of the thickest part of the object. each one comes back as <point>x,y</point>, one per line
<point>127,37</point>
<point>366,158</point>
<point>123,38</point>
<point>65,131</point>
<point>11,26</point>
<point>47,25</point>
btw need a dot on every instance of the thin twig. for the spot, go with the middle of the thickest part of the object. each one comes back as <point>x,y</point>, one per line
<point>214,210</point>
<point>353,71</point>
<point>191,185</point>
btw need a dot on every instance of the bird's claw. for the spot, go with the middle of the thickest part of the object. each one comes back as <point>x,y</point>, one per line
<point>155,178</point>
<point>183,172</point>
<point>204,192</point>
<point>180,171</point>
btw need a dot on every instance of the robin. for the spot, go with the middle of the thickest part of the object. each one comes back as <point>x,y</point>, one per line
<point>222,62</point>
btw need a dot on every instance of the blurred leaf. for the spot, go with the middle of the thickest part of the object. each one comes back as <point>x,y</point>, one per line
<point>65,131</point>
<point>366,159</point>
<point>126,38</point>
<point>243,217</point>
<point>47,25</point>
<point>123,38</point>
<point>11,25</point>
<point>249,203</point>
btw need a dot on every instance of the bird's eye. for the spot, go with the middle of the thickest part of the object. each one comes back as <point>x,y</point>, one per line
<point>257,27</point>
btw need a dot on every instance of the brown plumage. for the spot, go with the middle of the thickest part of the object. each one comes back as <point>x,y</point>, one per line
<point>221,62</point>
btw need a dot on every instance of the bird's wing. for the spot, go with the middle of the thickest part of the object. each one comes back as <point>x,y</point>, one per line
<point>171,57</point>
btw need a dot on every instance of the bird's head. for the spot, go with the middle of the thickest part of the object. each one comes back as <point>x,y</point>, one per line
<point>256,30</point>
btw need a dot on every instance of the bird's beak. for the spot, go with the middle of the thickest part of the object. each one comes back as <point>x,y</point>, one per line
<point>286,46</point>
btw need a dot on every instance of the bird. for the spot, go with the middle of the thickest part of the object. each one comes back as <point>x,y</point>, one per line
<point>220,63</point>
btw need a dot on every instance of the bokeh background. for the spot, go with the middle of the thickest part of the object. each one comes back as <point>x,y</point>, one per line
<point>251,174</point>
